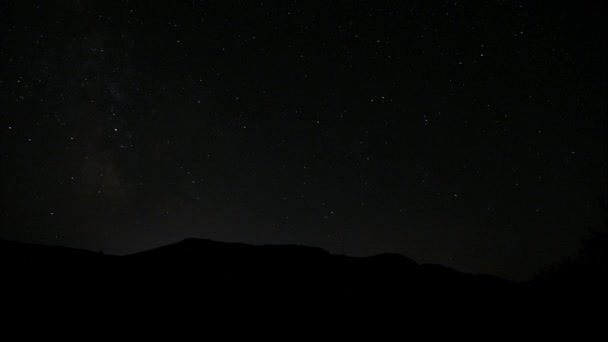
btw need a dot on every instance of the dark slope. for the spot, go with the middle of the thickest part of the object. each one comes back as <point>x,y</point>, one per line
<point>203,270</point>
<point>195,277</point>
<point>296,266</point>
<point>26,252</point>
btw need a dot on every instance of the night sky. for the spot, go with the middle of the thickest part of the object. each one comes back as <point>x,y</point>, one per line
<point>470,134</point>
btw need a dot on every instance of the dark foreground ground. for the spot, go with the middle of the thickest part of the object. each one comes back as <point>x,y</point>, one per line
<point>195,277</point>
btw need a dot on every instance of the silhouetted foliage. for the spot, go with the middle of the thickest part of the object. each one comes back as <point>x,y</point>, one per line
<point>586,271</point>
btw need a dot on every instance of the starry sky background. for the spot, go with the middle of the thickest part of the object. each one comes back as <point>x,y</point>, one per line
<point>470,134</point>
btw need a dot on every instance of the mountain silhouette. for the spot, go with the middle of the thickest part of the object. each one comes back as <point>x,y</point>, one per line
<point>203,273</point>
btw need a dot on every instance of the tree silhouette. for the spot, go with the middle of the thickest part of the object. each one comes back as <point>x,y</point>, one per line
<point>587,270</point>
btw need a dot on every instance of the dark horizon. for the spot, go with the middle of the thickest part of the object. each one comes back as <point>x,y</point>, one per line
<point>471,135</point>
